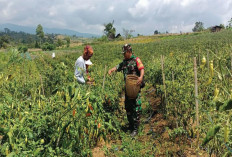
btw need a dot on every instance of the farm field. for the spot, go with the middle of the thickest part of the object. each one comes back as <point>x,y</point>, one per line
<point>45,112</point>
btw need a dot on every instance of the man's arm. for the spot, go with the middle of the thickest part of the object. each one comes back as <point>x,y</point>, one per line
<point>141,70</point>
<point>140,79</point>
<point>116,68</point>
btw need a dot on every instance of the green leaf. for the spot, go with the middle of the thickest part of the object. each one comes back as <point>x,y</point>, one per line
<point>227,105</point>
<point>210,134</point>
<point>37,151</point>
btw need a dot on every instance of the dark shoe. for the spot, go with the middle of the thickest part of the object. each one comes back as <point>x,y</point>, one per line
<point>134,133</point>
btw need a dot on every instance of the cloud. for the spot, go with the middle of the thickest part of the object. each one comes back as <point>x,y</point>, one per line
<point>141,8</point>
<point>143,16</point>
<point>111,8</point>
<point>185,3</point>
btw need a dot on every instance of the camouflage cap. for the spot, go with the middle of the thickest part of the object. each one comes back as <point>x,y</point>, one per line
<point>126,47</point>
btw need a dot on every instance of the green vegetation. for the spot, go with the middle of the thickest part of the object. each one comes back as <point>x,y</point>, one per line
<point>45,112</point>
<point>46,42</point>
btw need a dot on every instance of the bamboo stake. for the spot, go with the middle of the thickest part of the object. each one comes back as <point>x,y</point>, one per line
<point>103,84</point>
<point>163,75</point>
<point>196,100</point>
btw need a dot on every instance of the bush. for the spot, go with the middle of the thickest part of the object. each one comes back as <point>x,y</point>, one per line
<point>104,38</point>
<point>48,47</point>
<point>22,49</point>
<point>4,45</point>
<point>37,45</point>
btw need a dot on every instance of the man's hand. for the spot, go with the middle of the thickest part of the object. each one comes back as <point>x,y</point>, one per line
<point>140,79</point>
<point>90,79</point>
<point>112,70</point>
<point>109,72</point>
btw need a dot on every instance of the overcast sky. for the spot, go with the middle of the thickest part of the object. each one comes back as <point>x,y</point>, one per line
<point>143,16</point>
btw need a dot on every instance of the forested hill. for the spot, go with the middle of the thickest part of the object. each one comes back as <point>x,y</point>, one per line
<point>32,30</point>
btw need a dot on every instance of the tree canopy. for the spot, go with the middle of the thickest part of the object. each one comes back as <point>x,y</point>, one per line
<point>110,30</point>
<point>199,26</point>
<point>39,31</point>
<point>230,23</point>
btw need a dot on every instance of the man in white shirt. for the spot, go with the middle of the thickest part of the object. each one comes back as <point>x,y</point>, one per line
<point>80,64</point>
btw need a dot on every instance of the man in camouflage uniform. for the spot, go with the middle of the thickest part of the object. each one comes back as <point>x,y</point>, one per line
<point>131,65</point>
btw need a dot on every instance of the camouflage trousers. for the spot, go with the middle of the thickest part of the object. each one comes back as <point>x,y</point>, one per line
<point>133,109</point>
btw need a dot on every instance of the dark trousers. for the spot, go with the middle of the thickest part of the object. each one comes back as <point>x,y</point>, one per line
<point>133,109</point>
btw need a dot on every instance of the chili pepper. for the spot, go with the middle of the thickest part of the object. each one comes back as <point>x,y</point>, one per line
<point>203,61</point>
<point>211,68</point>
<point>90,106</point>
<point>74,112</point>
<point>216,92</point>
<point>26,140</point>
<point>88,114</point>
<point>42,141</point>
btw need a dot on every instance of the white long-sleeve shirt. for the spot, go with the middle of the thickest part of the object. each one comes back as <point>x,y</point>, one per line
<point>80,70</point>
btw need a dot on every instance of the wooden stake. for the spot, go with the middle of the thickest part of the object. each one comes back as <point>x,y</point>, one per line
<point>103,84</point>
<point>196,100</point>
<point>163,75</point>
<point>172,77</point>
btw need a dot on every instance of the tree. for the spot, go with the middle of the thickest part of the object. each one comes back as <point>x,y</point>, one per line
<point>199,26</point>
<point>127,33</point>
<point>156,32</point>
<point>230,24</point>
<point>4,40</point>
<point>60,43</point>
<point>222,25</point>
<point>7,30</point>
<point>109,30</point>
<point>36,45</point>
<point>67,41</point>
<point>40,32</point>
<point>46,46</point>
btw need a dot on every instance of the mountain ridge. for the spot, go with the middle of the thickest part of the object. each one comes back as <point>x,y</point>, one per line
<point>32,30</point>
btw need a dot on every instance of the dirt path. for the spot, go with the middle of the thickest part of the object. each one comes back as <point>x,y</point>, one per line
<point>155,134</point>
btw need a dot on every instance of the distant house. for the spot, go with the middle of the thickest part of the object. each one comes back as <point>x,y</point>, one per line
<point>216,28</point>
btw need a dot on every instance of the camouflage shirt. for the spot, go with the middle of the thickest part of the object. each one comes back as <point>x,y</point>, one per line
<point>130,66</point>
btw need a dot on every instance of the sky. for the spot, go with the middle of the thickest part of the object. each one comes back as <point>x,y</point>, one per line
<point>141,16</point>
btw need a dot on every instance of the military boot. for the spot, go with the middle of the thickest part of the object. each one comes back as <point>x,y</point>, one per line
<point>135,130</point>
<point>134,133</point>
